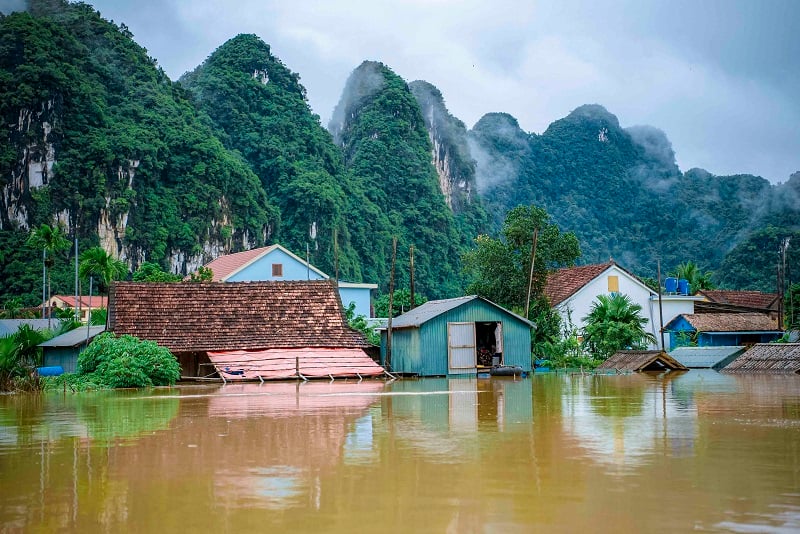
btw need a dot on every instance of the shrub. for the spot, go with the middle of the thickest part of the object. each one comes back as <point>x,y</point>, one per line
<point>127,361</point>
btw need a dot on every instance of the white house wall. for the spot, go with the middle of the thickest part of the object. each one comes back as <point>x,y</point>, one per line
<point>579,305</point>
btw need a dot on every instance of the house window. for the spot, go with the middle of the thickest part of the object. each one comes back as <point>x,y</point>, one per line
<point>613,284</point>
<point>277,269</point>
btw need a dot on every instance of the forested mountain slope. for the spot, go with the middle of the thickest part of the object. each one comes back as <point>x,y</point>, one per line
<point>379,125</point>
<point>103,142</point>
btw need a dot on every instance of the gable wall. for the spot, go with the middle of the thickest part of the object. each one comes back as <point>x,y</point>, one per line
<point>261,269</point>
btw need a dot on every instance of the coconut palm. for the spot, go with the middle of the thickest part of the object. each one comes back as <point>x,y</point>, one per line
<point>614,323</point>
<point>97,263</point>
<point>49,239</point>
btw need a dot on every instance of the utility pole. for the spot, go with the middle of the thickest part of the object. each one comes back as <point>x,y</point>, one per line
<point>660,308</point>
<point>391,305</point>
<point>411,271</point>
<point>530,278</point>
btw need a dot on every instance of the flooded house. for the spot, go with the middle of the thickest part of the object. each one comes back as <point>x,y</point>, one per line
<point>721,329</point>
<point>641,361</point>
<point>457,336</point>
<point>767,358</point>
<point>244,330</point>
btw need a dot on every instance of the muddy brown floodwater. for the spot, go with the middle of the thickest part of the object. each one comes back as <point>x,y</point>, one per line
<point>556,453</point>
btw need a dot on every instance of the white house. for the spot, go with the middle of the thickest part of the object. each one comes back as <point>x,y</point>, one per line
<point>277,263</point>
<point>573,290</point>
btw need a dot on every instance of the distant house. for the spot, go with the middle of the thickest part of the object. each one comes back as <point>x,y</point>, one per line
<point>706,357</point>
<point>719,300</point>
<point>572,291</point>
<point>68,302</point>
<point>275,263</point>
<point>244,329</point>
<point>63,350</point>
<point>457,336</point>
<point>721,329</point>
<point>642,361</point>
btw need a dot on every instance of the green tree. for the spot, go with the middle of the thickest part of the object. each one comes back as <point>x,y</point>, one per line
<point>698,279</point>
<point>127,361</point>
<point>50,239</point>
<point>615,323</point>
<point>95,262</point>
<point>499,268</point>
<point>151,272</point>
<point>401,303</point>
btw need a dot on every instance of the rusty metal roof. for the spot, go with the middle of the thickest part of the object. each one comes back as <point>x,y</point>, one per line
<point>220,316</point>
<point>771,358</point>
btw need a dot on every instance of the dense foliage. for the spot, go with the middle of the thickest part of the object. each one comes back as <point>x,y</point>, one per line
<point>401,302</point>
<point>127,142</point>
<point>388,151</point>
<point>614,323</point>
<point>499,269</point>
<point>260,109</point>
<point>126,361</point>
<point>20,354</point>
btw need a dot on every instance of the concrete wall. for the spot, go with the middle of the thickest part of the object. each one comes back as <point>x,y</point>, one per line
<point>262,269</point>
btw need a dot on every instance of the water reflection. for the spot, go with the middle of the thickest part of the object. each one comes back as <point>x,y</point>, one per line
<point>554,452</point>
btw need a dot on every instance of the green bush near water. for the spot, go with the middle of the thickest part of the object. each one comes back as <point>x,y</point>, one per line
<point>126,361</point>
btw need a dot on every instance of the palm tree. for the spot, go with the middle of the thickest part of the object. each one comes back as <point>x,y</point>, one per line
<point>697,279</point>
<point>96,262</point>
<point>614,323</point>
<point>49,239</point>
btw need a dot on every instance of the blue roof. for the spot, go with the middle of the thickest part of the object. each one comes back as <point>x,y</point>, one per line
<point>10,326</point>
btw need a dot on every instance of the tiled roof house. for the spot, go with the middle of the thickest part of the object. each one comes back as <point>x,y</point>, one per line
<point>276,263</point>
<point>722,329</point>
<point>195,319</point>
<point>572,291</point>
<point>720,300</point>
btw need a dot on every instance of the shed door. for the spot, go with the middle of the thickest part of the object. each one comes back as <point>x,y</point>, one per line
<point>461,346</point>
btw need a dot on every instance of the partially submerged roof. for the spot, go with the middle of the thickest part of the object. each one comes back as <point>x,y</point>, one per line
<point>226,266</point>
<point>290,363</point>
<point>433,308</point>
<point>729,322</point>
<point>75,337</point>
<point>221,316</point>
<point>642,360</point>
<point>771,358</point>
<point>706,357</point>
<point>743,299</point>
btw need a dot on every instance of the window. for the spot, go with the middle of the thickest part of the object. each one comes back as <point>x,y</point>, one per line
<point>277,269</point>
<point>613,284</point>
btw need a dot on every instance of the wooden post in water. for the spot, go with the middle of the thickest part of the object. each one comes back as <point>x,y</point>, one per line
<point>411,272</point>
<point>530,278</point>
<point>660,308</point>
<point>391,305</point>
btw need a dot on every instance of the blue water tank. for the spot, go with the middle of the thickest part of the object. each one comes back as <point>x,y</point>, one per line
<point>671,285</point>
<point>683,286</point>
<point>53,370</point>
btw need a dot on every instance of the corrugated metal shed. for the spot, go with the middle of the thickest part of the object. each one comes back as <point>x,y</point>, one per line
<point>429,340</point>
<point>771,358</point>
<point>73,338</point>
<point>706,357</point>
<point>641,360</point>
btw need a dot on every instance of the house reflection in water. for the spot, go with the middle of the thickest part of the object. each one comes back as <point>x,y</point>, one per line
<point>625,420</point>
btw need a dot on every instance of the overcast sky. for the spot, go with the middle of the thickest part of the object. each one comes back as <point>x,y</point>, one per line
<point>721,78</point>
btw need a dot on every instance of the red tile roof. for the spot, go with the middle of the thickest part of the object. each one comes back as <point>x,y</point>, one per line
<point>731,322</point>
<point>744,299</point>
<point>224,266</point>
<point>564,283</point>
<point>219,316</point>
<point>98,301</point>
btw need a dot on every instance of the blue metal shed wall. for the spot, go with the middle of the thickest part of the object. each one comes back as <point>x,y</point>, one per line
<point>408,355</point>
<point>66,357</point>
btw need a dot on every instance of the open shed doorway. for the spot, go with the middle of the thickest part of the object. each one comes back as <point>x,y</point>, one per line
<point>489,343</point>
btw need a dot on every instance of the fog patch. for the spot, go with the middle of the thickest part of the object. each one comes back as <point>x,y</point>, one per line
<point>366,80</point>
